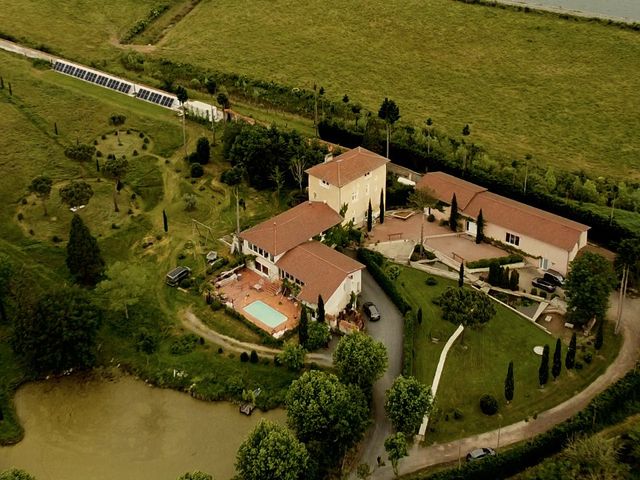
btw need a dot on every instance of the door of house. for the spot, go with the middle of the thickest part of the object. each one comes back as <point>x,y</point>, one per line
<point>544,263</point>
<point>472,228</point>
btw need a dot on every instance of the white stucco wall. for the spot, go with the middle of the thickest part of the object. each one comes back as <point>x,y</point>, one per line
<point>273,273</point>
<point>355,194</point>
<point>341,297</point>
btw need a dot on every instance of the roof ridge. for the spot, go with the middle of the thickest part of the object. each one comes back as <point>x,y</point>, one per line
<point>337,267</point>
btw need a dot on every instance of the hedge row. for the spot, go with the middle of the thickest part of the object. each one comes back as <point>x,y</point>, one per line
<point>609,407</point>
<point>374,261</point>
<point>486,262</point>
<point>408,343</point>
<point>141,25</point>
<point>416,157</point>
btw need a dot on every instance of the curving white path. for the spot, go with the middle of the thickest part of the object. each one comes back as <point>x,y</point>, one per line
<point>436,378</point>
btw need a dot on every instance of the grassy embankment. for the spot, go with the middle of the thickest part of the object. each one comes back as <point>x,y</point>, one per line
<point>565,91</point>
<point>480,365</point>
<point>29,147</point>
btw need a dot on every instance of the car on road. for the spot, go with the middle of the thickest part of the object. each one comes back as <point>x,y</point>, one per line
<point>479,453</point>
<point>372,311</point>
<point>553,277</point>
<point>543,284</point>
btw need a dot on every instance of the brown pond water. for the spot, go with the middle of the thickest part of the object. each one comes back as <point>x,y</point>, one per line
<point>123,429</point>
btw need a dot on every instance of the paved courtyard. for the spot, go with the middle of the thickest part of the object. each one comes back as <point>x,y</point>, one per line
<point>463,247</point>
<point>409,229</point>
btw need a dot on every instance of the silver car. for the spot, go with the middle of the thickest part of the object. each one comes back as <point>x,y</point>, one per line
<point>479,453</point>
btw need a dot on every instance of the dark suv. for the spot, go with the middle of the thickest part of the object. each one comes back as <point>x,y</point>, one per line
<point>372,311</point>
<point>543,284</point>
<point>554,278</point>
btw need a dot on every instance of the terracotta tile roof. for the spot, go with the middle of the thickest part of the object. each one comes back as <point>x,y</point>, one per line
<point>526,220</point>
<point>293,227</point>
<point>347,167</point>
<point>445,185</point>
<point>322,269</point>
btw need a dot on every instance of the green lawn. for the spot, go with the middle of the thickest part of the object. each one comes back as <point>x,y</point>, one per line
<point>480,365</point>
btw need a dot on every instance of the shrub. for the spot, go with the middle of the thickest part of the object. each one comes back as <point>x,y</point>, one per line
<point>374,262</point>
<point>141,135</point>
<point>104,137</point>
<point>244,357</point>
<point>144,147</point>
<point>196,170</point>
<point>220,350</point>
<point>587,357</point>
<point>488,405</point>
<point>431,218</point>
<point>254,357</point>
<point>135,153</point>
<point>184,344</point>
<point>431,281</point>
<point>486,262</point>
<point>457,414</point>
<point>186,283</point>
<point>145,140</point>
<point>232,176</point>
<point>99,154</point>
<point>20,217</point>
<point>56,239</point>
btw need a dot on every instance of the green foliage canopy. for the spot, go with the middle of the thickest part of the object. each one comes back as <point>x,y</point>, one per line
<point>360,360</point>
<point>588,286</point>
<point>406,404</point>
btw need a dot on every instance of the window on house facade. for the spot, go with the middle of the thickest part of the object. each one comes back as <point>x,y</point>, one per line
<point>354,195</point>
<point>512,239</point>
<point>366,189</point>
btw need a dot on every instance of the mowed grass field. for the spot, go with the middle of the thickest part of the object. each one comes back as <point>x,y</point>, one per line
<point>566,92</point>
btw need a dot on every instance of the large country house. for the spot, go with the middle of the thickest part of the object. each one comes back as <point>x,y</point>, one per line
<point>554,240</point>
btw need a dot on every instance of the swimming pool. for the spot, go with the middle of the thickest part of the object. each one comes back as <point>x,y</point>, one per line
<point>265,314</point>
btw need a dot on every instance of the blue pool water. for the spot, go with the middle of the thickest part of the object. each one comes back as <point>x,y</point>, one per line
<point>265,313</point>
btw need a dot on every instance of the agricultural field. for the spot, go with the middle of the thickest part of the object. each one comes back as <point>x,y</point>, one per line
<point>564,91</point>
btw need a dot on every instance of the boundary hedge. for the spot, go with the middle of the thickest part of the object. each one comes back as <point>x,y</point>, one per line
<point>486,262</point>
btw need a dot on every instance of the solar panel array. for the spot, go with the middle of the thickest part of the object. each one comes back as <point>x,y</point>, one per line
<point>154,97</point>
<point>93,77</point>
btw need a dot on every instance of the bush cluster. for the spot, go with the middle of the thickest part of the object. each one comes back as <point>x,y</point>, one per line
<point>374,262</point>
<point>486,262</point>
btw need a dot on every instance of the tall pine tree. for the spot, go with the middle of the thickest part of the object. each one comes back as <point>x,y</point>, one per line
<point>570,359</point>
<point>303,332</point>
<point>320,317</point>
<point>480,228</point>
<point>509,384</point>
<point>557,360</point>
<point>83,254</point>
<point>453,218</point>
<point>543,371</point>
<point>381,206</point>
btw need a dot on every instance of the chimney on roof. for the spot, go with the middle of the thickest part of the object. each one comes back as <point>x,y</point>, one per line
<point>328,157</point>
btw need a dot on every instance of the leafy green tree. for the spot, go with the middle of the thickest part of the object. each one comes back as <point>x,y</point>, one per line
<point>396,448</point>
<point>15,474</point>
<point>480,227</point>
<point>588,286</point>
<point>271,451</point>
<point>319,335</point>
<point>543,371</point>
<point>360,360</point>
<point>453,216</point>
<point>225,104</point>
<point>369,217</point>
<point>356,108</point>
<point>509,385</point>
<point>41,187</point>
<point>303,333</point>
<point>196,476</point>
<point>320,312</point>
<point>599,335</point>
<point>116,169</point>
<point>80,152</point>
<point>328,416</point>
<point>381,206</point>
<point>58,332</point>
<point>628,258</point>
<point>76,193</point>
<point>465,306</point>
<point>390,113</point>
<point>123,287</point>
<point>6,277</point>
<point>557,360</point>
<point>570,359</point>
<point>292,356</point>
<point>83,254</point>
<point>116,119</point>
<point>189,201</point>
<point>406,404</point>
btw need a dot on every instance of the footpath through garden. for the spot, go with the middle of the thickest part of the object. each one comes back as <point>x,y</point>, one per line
<point>423,457</point>
<point>191,322</point>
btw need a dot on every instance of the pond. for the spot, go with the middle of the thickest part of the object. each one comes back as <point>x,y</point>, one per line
<point>123,429</point>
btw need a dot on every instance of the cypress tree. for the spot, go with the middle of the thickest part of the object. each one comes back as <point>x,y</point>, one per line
<point>543,371</point>
<point>509,384</point>
<point>557,360</point>
<point>320,309</point>
<point>83,254</point>
<point>97,164</point>
<point>1,83</point>
<point>10,91</point>
<point>514,280</point>
<point>504,277</point>
<point>369,217</point>
<point>165,221</point>
<point>480,228</point>
<point>303,332</point>
<point>453,217</point>
<point>570,359</point>
<point>419,316</point>
<point>381,206</point>
<point>55,127</point>
<point>599,335</point>
<point>494,273</point>
<point>461,275</point>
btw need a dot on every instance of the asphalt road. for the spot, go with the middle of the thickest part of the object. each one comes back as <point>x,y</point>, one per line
<point>389,331</point>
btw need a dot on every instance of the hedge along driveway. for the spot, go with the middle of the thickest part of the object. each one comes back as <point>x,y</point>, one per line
<point>480,366</point>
